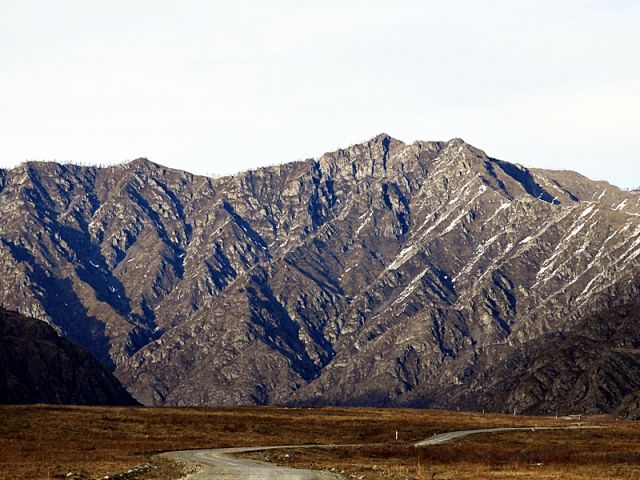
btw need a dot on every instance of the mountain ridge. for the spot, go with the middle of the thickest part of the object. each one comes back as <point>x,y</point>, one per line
<point>404,262</point>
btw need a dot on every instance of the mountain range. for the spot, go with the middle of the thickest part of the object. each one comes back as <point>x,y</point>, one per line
<point>427,274</point>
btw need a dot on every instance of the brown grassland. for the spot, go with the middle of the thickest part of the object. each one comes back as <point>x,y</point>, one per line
<point>47,442</point>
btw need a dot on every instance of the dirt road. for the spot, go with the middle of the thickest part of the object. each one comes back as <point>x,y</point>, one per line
<point>222,464</point>
<point>450,436</point>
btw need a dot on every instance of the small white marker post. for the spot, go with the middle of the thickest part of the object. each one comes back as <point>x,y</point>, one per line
<point>396,435</point>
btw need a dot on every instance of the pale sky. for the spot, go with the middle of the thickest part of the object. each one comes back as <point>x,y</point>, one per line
<point>223,86</point>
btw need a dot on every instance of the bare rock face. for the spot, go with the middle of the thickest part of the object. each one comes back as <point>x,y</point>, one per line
<point>381,274</point>
<point>38,366</point>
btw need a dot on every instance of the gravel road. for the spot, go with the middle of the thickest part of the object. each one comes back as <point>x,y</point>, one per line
<point>223,464</point>
<point>450,436</point>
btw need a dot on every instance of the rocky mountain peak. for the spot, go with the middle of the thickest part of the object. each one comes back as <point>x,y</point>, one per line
<point>383,138</point>
<point>141,164</point>
<point>365,159</point>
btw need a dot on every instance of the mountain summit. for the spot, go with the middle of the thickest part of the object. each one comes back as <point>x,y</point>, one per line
<point>384,273</point>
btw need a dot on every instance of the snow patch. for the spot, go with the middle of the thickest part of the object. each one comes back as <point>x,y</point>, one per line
<point>363,224</point>
<point>411,287</point>
<point>402,257</point>
<point>621,205</point>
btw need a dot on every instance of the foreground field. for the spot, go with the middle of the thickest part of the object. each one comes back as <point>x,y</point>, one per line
<point>42,442</point>
<point>613,453</point>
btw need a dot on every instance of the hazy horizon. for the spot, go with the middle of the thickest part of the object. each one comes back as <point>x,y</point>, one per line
<point>221,87</point>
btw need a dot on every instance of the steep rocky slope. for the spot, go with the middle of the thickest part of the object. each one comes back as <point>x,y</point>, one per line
<point>590,369</point>
<point>38,366</point>
<point>384,273</point>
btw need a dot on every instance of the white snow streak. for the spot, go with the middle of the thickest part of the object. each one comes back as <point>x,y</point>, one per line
<point>411,287</point>
<point>402,257</point>
<point>408,252</point>
<point>621,205</point>
<point>363,224</point>
<point>576,228</point>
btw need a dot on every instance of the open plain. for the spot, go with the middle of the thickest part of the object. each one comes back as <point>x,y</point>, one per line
<point>45,442</point>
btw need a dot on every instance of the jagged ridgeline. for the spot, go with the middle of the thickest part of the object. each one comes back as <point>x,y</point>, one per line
<point>382,274</point>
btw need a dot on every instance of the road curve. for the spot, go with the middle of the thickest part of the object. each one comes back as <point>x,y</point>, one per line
<point>451,436</point>
<point>220,464</point>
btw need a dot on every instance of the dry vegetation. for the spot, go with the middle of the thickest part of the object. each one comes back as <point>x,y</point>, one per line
<point>613,453</point>
<point>40,442</point>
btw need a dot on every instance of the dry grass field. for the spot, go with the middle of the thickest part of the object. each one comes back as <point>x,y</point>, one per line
<point>46,442</point>
<point>612,453</point>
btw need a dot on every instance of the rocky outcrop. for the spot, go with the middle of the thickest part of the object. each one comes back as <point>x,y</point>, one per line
<point>384,273</point>
<point>38,366</point>
<point>629,408</point>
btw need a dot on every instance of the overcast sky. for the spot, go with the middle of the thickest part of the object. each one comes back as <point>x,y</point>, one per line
<point>218,87</point>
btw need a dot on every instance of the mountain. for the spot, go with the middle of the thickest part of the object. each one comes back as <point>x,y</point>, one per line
<point>38,366</point>
<point>381,274</point>
<point>592,369</point>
